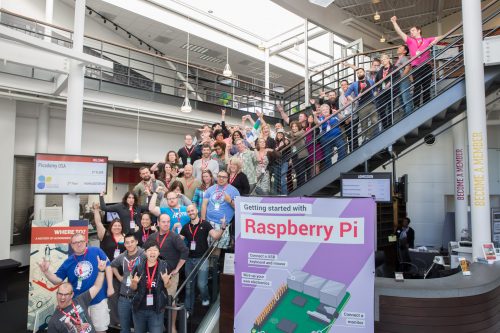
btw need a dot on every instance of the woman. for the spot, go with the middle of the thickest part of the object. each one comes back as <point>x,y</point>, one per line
<point>150,280</point>
<point>112,243</point>
<point>207,180</point>
<point>237,178</point>
<point>313,147</point>
<point>147,228</point>
<point>128,210</point>
<point>265,134</point>
<point>220,154</point>
<point>168,174</point>
<point>281,168</point>
<point>236,136</point>
<point>171,158</point>
<point>263,159</point>
<point>330,136</point>
<point>299,152</point>
<point>384,97</point>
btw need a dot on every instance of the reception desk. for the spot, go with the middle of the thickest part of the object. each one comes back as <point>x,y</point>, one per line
<point>454,303</point>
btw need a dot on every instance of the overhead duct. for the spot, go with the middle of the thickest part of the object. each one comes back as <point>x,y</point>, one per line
<point>361,27</point>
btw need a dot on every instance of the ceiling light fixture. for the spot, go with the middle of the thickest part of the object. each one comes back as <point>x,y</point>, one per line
<point>382,39</point>
<point>186,106</point>
<point>376,17</point>
<point>90,12</point>
<point>322,3</point>
<point>227,72</point>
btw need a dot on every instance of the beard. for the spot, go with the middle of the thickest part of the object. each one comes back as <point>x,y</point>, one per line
<point>361,77</point>
<point>147,178</point>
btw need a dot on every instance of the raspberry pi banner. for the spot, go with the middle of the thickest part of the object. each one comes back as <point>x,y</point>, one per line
<point>304,265</point>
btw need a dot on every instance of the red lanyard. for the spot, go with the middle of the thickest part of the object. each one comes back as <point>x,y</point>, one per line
<point>188,185</point>
<point>204,165</point>
<point>144,235</point>
<point>147,186</point>
<point>150,277</point>
<point>195,230</point>
<point>231,179</point>
<point>189,152</point>
<point>131,209</point>
<point>219,193</point>
<point>385,71</point>
<point>76,320</point>
<point>163,240</point>
<point>178,215</point>
<point>114,240</point>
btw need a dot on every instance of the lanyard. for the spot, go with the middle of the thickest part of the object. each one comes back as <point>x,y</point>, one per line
<point>203,164</point>
<point>188,185</point>
<point>189,152</point>
<point>131,264</point>
<point>150,277</point>
<point>231,179</point>
<point>219,193</point>
<point>114,240</point>
<point>163,240</point>
<point>77,320</point>
<point>131,209</point>
<point>385,71</point>
<point>195,230</point>
<point>178,215</point>
<point>144,235</point>
<point>148,185</point>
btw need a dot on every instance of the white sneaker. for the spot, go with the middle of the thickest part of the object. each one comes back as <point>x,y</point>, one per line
<point>205,303</point>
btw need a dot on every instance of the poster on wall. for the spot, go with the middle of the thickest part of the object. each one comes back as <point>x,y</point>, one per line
<point>49,242</point>
<point>73,174</point>
<point>304,265</point>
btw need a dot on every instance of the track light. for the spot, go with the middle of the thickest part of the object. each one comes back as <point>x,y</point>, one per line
<point>376,17</point>
<point>382,39</point>
<point>90,12</point>
<point>149,48</point>
<point>129,35</point>
<point>105,21</point>
<point>116,27</point>
<point>140,42</point>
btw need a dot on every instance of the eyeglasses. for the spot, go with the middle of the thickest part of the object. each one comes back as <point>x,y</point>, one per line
<point>78,242</point>
<point>64,295</point>
<point>223,177</point>
<point>171,198</point>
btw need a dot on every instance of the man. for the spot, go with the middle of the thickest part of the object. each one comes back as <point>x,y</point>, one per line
<point>370,73</point>
<point>174,251</point>
<point>406,234</point>
<point>189,153</point>
<point>350,130</point>
<point>331,100</point>
<point>331,135</point>
<point>302,115</point>
<point>145,189</point>
<point>365,109</point>
<point>403,63</point>
<point>125,263</point>
<point>196,234</point>
<point>249,161</point>
<point>205,163</point>
<point>72,315</point>
<point>177,213</point>
<point>189,182</point>
<point>422,70</point>
<point>81,270</point>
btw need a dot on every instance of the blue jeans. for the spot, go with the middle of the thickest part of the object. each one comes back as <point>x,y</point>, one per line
<point>125,313</point>
<point>327,144</point>
<point>148,321</point>
<point>283,173</point>
<point>405,97</point>
<point>201,282</point>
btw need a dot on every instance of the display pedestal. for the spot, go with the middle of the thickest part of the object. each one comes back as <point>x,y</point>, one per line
<point>226,320</point>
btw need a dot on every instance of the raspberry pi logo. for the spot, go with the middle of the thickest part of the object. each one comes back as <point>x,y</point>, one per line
<point>42,181</point>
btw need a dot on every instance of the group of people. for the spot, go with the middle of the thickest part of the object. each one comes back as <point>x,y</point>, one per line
<point>183,204</point>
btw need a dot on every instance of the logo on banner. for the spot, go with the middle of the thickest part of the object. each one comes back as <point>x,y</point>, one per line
<point>42,181</point>
<point>83,270</point>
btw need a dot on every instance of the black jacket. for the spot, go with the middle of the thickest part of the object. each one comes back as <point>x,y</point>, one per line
<point>410,237</point>
<point>124,213</point>
<point>160,302</point>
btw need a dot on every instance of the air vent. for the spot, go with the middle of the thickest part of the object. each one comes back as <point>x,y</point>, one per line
<point>162,39</point>
<point>212,53</point>
<point>211,59</point>
<point>195,48</point>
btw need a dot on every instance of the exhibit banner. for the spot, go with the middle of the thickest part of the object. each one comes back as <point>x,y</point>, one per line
<point>50,242</point>
<point>73,174</point>
<point>304,265</point>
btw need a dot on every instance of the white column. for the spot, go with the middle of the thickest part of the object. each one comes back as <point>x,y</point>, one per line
<point>461,183</point>
<point>7,145</point>
<point>74,110</point>
<point>307,93</point>
<point>476,117</point>
<point>49,12</point>
<point>266,75</point>
<point>42,144</point>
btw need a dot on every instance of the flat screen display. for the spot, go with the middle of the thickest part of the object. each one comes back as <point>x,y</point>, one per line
<point>70,174</point>
<point>365,185</point>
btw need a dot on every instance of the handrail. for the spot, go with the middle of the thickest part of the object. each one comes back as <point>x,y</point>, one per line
<point>394,83</point>
<point>126,47</point>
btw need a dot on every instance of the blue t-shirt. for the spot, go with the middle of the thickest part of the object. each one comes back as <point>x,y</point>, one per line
<point>86,267</point>
<point>176,215</point>
<point>217,206</point>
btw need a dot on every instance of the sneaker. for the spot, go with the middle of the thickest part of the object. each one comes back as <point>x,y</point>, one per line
<point>205,302</point>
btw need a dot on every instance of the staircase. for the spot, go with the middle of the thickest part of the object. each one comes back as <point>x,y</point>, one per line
<point>388,123</point>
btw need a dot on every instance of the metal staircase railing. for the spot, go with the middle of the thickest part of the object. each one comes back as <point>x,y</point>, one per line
<point>375,111</point>
<point>151,72</point>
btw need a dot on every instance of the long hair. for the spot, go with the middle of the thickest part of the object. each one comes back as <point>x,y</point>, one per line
<point>176,184</point>
<point>176,157</point>
<point>124,199</point>
<point>203,185</point>
<point>115,220</point>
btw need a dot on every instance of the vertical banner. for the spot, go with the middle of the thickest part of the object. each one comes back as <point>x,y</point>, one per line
<point>304,265</point>
<point>49,242</point>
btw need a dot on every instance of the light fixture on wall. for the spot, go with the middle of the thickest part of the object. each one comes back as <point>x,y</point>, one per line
<point>382,39</point>
<point>376,17</point>
<point>186,106</point>
<point>136,159</point>
<point>227,72</point>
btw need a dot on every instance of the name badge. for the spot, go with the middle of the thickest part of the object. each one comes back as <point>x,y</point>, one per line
<point>193,246</point>
<point>216,206</point>
<point>79,284</point>
<point>128,282</point>
<point>132,224</point>
<point>144,238</point>
<point>178,230</point>
<point>149,299</point>
<point>188,160</point>
<point>116,253</point>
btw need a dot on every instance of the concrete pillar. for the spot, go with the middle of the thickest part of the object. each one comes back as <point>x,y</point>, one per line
<point>42,144</point>
<point>460,175</point>
<point>266,76</point>
<point>307,93</point>
<point>7,145</point>
<point>49,13</point>
<point>74,110</point>
<point>476,129</point>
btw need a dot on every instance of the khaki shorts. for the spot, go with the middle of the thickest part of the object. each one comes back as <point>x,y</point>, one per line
<point>99,314</point>
<point>174,282</point>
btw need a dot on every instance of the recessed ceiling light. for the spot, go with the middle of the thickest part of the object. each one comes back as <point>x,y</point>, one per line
<point>210,11</point>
